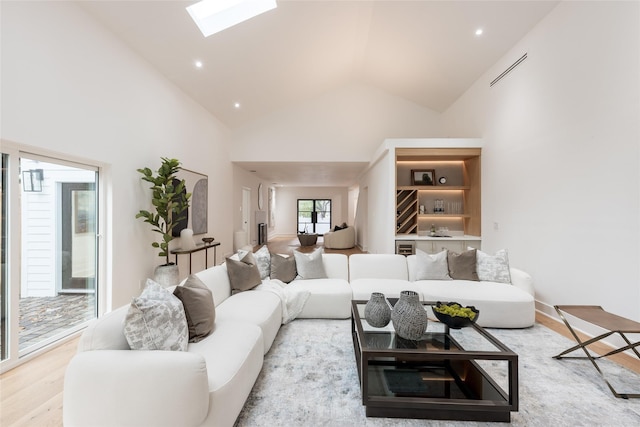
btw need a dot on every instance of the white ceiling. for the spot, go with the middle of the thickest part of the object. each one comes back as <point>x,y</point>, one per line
<point>423,51</point>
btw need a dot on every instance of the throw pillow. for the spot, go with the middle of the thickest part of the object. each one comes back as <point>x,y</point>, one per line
<point>263,260</point>
<point>493,268</point>
<point>310,266</point>
<point>243,274</point>
<point>432,267</point>
<point>283,268</point>
<point>462,266</point>
<point>199,307</point>
<point>156,321</point>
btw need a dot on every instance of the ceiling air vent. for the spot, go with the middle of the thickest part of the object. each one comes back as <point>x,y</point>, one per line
<point>508,70</point>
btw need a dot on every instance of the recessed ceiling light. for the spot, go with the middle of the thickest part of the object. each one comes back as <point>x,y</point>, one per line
<point>479,32</point>
<point>213,16</point>
<point>198,64</point>
<point>236,105</point>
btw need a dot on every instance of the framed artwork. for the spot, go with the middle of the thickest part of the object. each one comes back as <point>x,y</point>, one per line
<point>423,177</point>
<point>197,215</point>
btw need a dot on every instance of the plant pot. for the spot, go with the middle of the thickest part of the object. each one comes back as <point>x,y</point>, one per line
<point>166,275</point>
<point>377,312</point>
<point>409,316</point>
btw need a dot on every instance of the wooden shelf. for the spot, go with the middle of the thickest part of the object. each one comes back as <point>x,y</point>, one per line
<point>444,216</point>
<point>435,187</point>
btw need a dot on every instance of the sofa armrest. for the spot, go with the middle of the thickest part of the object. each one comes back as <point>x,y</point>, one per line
<point>135,388</point>
<point>522,280</point>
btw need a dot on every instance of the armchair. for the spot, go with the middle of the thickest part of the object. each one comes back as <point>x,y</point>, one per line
<point>341,239</point>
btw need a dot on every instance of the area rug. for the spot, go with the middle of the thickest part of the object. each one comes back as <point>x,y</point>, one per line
<point>310,379</point>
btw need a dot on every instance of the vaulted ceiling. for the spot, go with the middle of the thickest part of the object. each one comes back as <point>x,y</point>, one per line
<point>424,51</point>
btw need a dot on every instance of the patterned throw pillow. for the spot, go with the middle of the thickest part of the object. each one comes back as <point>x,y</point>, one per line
<point>463,266</point>
<point>283,268</point>
<point>493,268</point>
<point>199,307</point>
<point>432,267</point>
<point>156,321</point>
<point>243,274</point>
<point>310,266</point>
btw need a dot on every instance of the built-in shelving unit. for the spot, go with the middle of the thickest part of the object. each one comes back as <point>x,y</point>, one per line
<point>458,199</point>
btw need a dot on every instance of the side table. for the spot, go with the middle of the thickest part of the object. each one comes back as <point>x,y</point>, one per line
<point>199,247</point>
<point>307,239</point>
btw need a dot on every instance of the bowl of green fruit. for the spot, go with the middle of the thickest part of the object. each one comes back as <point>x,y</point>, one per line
<point>454,315</point>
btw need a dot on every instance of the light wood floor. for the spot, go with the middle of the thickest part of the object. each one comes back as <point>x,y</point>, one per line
<point>31,394</point>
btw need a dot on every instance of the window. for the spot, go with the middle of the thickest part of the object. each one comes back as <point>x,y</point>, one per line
<point>314,215</point>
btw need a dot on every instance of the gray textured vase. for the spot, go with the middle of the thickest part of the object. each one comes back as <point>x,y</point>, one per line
<point>377,311</point>
<point>166,275</point>
<point>409,316</point>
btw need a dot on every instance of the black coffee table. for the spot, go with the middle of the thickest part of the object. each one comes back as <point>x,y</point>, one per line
<point>449,374</point>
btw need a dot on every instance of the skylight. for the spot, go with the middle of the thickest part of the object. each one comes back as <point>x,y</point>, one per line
<point>213,16</point>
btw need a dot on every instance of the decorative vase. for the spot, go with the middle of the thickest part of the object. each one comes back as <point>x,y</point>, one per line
<point>166,275</point>
<point>186,239</point>
<point>409,316</point>
<point>377,312</point>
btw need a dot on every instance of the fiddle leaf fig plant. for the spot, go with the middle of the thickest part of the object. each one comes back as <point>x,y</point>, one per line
<point>170,200</point>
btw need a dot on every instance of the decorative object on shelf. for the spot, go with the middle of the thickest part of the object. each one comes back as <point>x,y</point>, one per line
<point>442,180</point>
<point>186,239</point>
<point>422,211</point>
<point>438,207</point>
<point>260,197</point>
<point>454,315</point>
<point>409,316</point>
<point>208,240</point>
<point>377,311</point>
<point>171,201</point>
<point>423,177</point>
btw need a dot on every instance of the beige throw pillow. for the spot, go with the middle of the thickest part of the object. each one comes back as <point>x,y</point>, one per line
<point>199,307</point>
<point>283,268</point>
<point>463,266</point>
<point>243,274</point>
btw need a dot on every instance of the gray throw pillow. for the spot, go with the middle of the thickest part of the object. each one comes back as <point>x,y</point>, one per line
<point>310,266</point>
<point>199,307</point>
<point>243,274</point>
<point>462,266</point>
<point>493,268</point>
<point>283,268</point>
<point>432,267</point>
<point>156,321</point>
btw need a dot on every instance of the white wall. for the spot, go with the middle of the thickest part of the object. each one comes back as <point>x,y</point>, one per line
<point>70,87</point>
<point>287,206</point>
<point>346,124</point>
<point>561,158</point>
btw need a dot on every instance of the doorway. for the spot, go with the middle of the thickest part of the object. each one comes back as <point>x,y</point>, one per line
<point>314,215</point>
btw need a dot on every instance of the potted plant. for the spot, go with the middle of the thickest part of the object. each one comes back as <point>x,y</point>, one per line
<point>171,201</point>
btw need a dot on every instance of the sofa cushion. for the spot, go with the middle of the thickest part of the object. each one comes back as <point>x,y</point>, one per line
<point>501,305</point>
<point>283,268</point>
<point>432,267</point>
<point>391,288</point>
<point>493,268</point>
<point>156,321</point>
<point>310,266</point>
<point>462,266</point>
<point>378,266</point>
<point>328,298</point>
<point>258,307</point>
<point>199,308</point>
<point>243,274</point>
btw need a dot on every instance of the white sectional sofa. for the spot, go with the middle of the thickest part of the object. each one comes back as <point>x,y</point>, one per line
<point>501,305</point>
<point>108,384</point>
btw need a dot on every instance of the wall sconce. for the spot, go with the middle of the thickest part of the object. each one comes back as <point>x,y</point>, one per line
<point>32,180</point>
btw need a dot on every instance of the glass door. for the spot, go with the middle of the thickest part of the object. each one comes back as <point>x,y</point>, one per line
<point>59,257</point>
<point>314,215</point>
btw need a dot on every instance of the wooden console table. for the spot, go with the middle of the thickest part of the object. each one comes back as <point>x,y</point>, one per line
<point>199,247</point>
<point>613,323</point>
